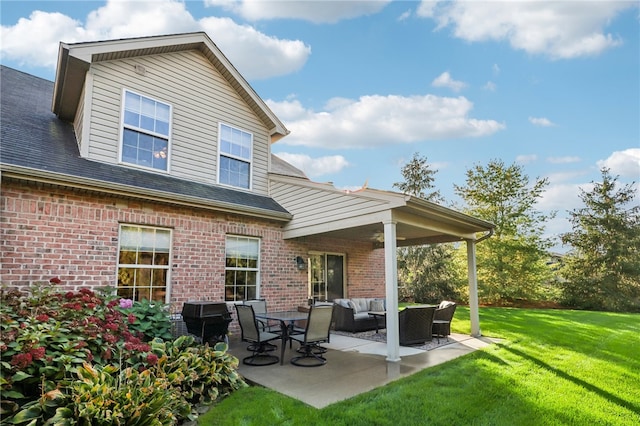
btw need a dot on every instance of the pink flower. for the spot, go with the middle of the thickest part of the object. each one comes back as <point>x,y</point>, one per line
<point>37,353</point>
<point>43,317</point>
<point>126,303</point>
<point>21,360</point>
<point>152,359</point>
<point>131,318</point>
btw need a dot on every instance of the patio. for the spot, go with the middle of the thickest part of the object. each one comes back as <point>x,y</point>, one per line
<point>354,366</point>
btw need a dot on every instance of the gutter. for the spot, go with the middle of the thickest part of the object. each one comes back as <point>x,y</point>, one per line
<point>484,237</point>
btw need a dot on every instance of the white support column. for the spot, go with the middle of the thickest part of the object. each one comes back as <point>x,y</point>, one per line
<point>474,312</point>
<point>391,282</point>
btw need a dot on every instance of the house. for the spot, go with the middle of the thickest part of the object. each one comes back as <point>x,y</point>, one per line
<point>147,166</point>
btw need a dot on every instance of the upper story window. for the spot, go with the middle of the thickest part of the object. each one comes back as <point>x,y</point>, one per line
<point>234,159</point>
<point>145,134</point>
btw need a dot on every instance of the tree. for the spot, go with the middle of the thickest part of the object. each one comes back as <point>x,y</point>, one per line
<point>603,270</point>
<point>419,179</point>
<point>511,264</point>
<point>426,272</point>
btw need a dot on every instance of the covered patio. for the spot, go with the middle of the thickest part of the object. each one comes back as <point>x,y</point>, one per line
<point>354,366</point>
<point>387,220</point>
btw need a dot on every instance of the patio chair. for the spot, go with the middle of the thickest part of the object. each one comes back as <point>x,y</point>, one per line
<point>250,332</point>
<point>317,331</point>
<point>414,324</point>
<point>442,319</point>
<point>260,307</point>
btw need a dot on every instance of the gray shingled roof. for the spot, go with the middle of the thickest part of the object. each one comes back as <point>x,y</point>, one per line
<point>32,138</point>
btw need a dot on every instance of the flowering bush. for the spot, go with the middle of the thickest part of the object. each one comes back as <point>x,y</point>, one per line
<point>50,340</point>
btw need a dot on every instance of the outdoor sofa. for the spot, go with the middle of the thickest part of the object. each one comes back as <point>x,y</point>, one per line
<point>353,314</point>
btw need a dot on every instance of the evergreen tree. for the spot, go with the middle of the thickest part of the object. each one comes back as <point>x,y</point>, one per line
<point>512,263</point>
<point>603,270</point>
<point>425,273</point>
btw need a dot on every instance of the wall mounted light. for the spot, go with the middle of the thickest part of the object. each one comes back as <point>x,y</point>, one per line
<point>300,263</point>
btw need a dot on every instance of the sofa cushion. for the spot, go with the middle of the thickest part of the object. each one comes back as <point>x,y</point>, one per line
<point>342,302</point>
<point>445,304</point>
<point>362,304</point>
<point>361,315</point>
<point>376,305</point>
<point>353,306</point>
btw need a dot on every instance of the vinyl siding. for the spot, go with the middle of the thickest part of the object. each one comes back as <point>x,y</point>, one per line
<point>313,205</point>
<point>200,98</point>
<point>78,121</point>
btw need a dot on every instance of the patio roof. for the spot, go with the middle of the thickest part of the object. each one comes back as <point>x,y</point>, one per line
<point>322,209</point>
<point>386,219</point>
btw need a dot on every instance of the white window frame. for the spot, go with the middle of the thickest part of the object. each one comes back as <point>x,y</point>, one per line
<point>248,159</point>
<point>255,269</point>
<point>127,126</point>
<point>144,266</point>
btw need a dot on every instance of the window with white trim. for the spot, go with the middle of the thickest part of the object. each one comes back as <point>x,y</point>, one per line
<point>242,273</point>
<point>143,263</point>
<point>146,125</point>
<point>234,156</point>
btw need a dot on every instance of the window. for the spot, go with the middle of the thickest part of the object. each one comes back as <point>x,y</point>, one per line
<point>234,162</point>
<point>143,263</point>
<point>242,268</point>
<point>145,133</point>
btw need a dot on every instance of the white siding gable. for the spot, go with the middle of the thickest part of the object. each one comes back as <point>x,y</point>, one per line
<point>200,99</point>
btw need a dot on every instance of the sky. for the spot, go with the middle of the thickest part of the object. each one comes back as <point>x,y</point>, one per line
<point>553,87</point>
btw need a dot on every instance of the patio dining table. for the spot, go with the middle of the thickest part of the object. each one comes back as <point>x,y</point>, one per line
<point>287,320</point>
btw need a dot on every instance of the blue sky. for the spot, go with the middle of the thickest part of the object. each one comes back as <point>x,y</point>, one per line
<point>553,86</point>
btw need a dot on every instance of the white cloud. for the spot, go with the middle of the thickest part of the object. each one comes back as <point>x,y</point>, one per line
<point>624,163</point>
<point>377,120</point>
<point>541,121</point>
<point>34,41</point>
<point>313,11</point>
<point>496,69</point>
<point>562,196</point>
<point>314,167</point>
<point>405,15</point>
<point>526,159</point>
<point>445,80</point>
<point>242,44</point>
<point>563,160</point>
<point>490,86</point>
<point>559,30</point>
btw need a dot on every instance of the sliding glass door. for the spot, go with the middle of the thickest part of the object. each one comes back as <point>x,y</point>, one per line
<point>326,276</point>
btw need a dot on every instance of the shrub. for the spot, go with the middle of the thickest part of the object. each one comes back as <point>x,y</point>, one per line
<point>58,348</point>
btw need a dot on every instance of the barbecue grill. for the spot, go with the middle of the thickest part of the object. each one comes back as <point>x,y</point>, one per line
<point>207,320</point>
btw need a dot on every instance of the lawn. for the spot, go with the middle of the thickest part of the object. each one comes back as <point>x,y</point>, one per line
<point>553,367</point>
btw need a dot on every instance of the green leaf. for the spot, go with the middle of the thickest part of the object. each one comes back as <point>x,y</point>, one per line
<point>20,375</point>
<point>12,394</point>
<point>29,414</point>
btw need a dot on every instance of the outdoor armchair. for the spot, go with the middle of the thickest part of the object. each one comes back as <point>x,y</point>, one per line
<point>415,323</point>
<point>443,317</point>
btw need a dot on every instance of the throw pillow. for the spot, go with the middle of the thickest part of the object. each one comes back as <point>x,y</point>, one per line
<point>376,305</point>
<point>353,306</point>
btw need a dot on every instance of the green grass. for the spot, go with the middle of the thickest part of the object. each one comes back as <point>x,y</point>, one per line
<point>554,367</point>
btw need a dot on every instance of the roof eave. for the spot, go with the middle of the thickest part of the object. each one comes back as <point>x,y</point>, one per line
<point>52,178</point>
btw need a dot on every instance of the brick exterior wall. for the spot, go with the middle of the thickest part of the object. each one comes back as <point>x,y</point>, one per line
<point>52,232</point>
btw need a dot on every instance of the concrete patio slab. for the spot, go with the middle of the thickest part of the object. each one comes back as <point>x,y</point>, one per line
<point>354,366</point>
